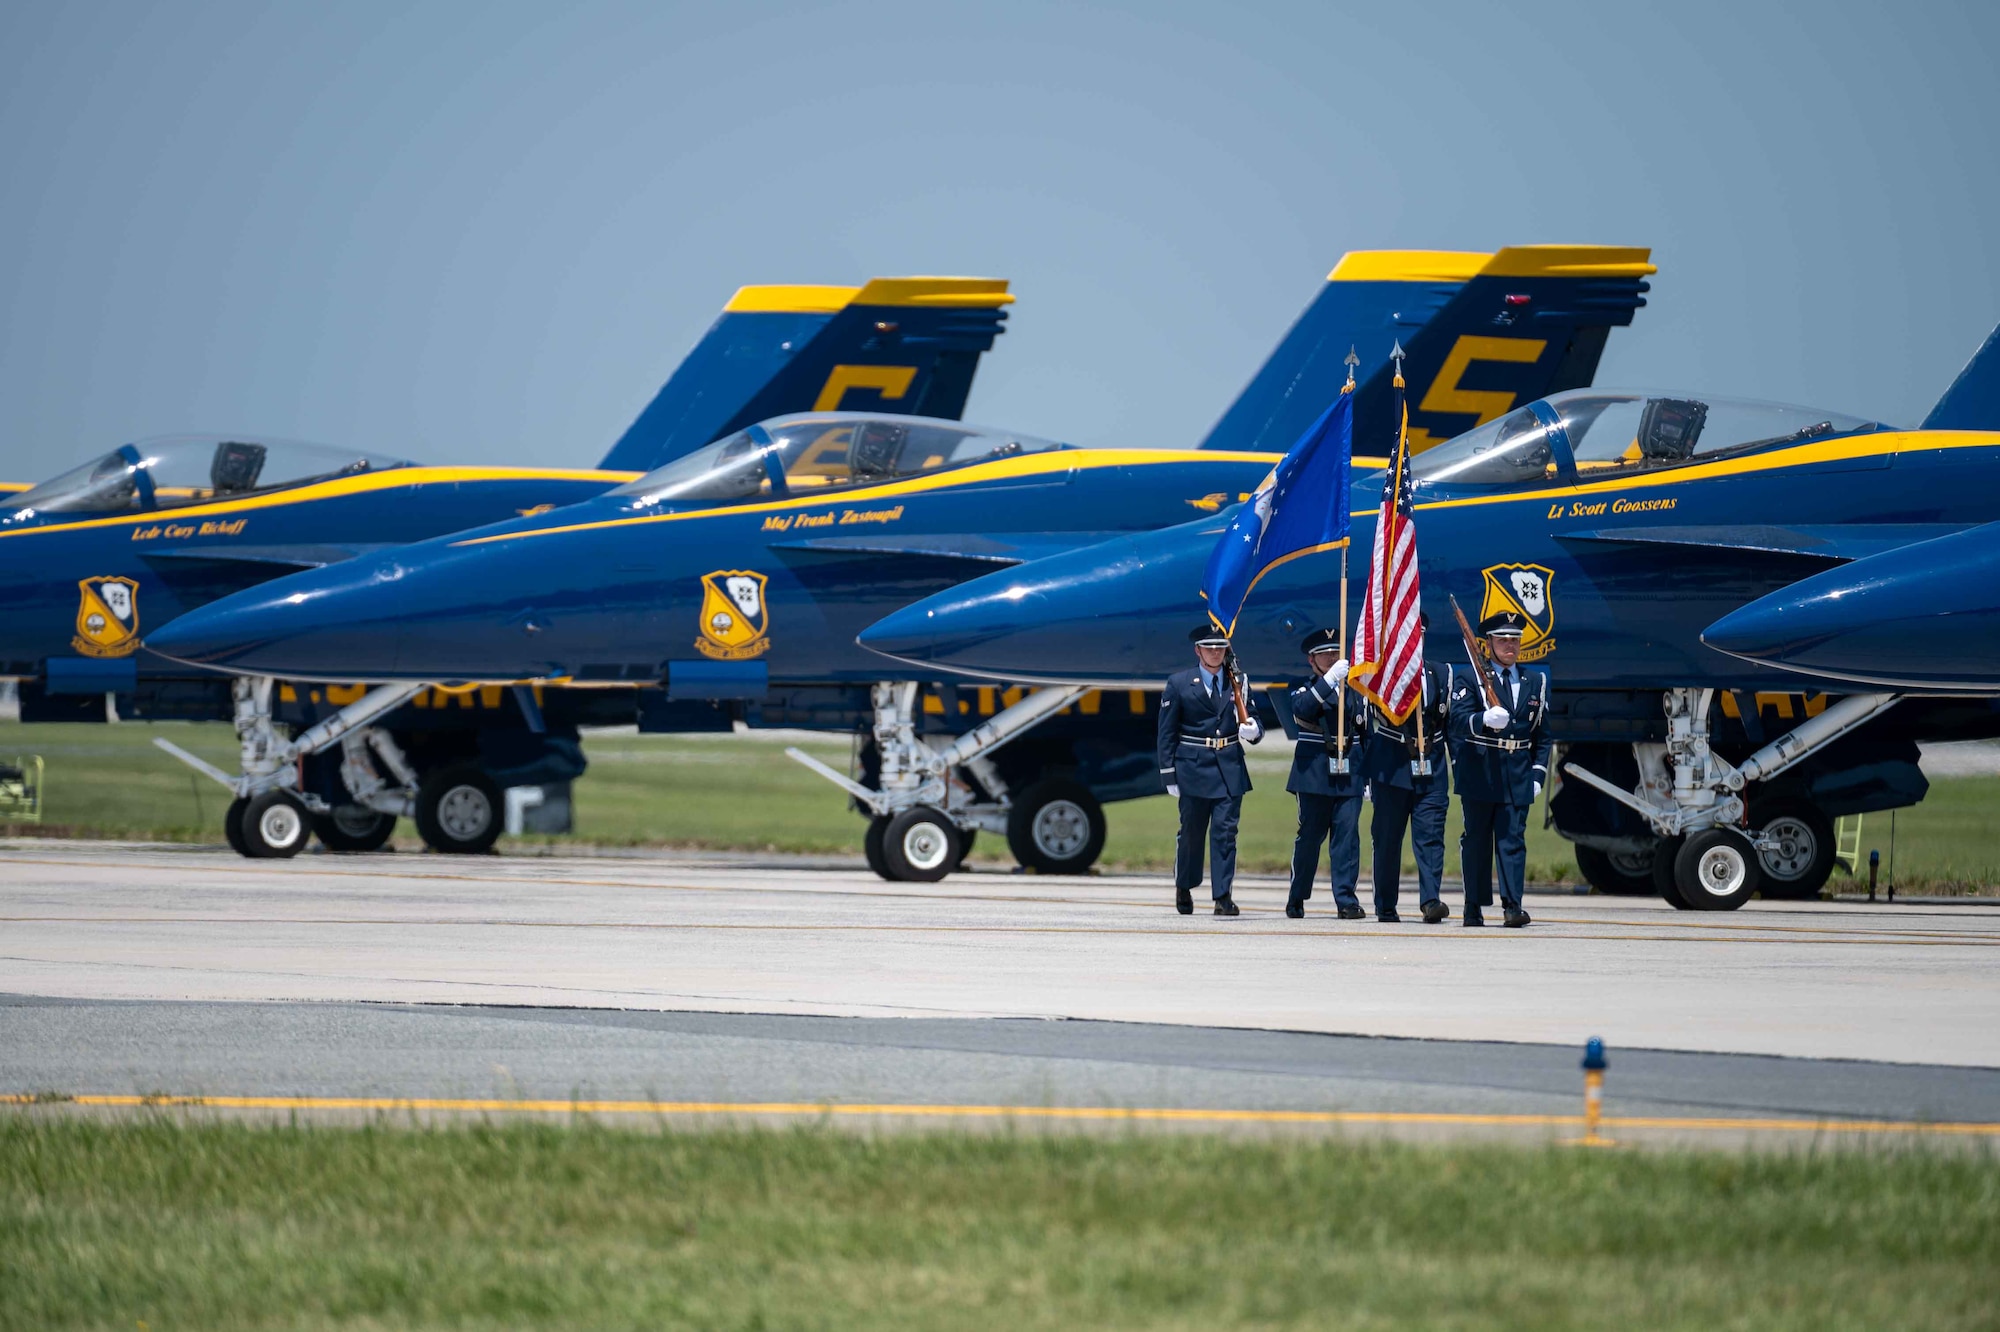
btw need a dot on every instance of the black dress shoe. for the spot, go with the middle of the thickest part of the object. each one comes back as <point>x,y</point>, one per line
<point>1226,906</point>
<point>1295,909</point>
<point>1353,913</point>
<point>1516,919</point>
<point>1473,922</point>
<point>1184,901</point>
<point>1388,918</point>
<point>1435,912</point>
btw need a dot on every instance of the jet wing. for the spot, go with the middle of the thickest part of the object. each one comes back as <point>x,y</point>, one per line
<point>1838,542</point>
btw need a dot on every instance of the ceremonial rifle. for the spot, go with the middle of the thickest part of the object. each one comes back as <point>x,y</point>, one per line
<point>1472,652</point>
<point>1232,676</point>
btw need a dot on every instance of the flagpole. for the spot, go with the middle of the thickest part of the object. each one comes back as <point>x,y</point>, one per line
<point>1340,695</point>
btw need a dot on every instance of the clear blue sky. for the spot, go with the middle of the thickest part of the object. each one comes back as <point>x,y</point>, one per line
<point>486,231</point>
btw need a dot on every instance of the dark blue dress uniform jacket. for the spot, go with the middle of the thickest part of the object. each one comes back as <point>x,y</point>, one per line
<point>1187,710</point>
<point>1391,747</point>
<point>1312,709</point>
<point>1500,767</point>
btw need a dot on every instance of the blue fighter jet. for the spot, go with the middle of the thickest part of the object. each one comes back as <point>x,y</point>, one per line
<point>731,585</point>
<point>99,559</point>
<point>1623,526</point>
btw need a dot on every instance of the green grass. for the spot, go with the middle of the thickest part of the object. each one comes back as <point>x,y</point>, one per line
<point>728,793</point>
<point>162,1224</point>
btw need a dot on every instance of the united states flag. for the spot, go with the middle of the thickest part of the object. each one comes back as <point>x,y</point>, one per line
<point>1389,646</point>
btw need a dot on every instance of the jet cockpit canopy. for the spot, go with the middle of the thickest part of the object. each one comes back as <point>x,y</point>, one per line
<point>1588,435</point>
<point>801,456</point>
<point>174,470</point>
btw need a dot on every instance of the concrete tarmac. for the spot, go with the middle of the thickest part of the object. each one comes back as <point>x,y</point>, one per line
<point>731,934</point>
<point>343,1050</point>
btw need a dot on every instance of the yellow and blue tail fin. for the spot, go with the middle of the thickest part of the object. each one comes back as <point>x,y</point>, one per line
<point>905,345</point>
<point>1483,332</point>
<point>1973,400</point>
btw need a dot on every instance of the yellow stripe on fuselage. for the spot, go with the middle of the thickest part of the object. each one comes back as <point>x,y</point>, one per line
<point>1800,455</point>
<point>339,488</point>
<point>1006,469</point>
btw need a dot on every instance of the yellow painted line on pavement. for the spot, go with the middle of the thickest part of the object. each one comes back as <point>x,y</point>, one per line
<point>1108,1114</point>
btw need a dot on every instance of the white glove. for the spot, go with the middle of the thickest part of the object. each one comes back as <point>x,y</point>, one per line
<point>1336,674</point>
<point>1250,732</point>
<point>1173,791</point>
<point>1495,718</point>
<point>1538,792</point>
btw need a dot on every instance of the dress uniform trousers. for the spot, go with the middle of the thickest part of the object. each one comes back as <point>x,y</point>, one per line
<point>1492,827</point>
<point>1423,813</point>
<point>1329,802</point>
<point>1214,822</point>
<point>1333,821</point>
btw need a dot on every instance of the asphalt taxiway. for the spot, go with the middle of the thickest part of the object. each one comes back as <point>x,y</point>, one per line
<point>728,979</point>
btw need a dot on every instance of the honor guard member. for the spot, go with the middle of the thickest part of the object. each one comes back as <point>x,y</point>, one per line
<point>1201,762</point>
<point>1502,756</point>
<point>1329,800</point>
<point>1411,782</point>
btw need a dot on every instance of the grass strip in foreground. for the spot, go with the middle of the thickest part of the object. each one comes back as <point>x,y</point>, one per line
<point>227,1225</point>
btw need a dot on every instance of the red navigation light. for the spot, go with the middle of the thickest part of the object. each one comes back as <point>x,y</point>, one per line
<point>1519,300</point>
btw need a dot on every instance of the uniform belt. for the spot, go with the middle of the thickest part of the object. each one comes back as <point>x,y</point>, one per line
<point>1319,738</point>
<point>1504,744</point>
<point>1209,741</point>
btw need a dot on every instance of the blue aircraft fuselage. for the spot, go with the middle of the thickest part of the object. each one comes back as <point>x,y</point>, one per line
<point>1619,569</point>
<point>722,597</point>
<point>174,559</point>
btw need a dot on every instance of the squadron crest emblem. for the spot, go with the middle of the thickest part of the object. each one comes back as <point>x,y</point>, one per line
<point>107,620</point>
<point>735,621</point>
<point>1523,588</point>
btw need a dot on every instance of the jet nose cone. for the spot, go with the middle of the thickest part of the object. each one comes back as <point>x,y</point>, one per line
<point>969,623</point>
<point>303,625</point>
<point>1925,614</point>
<point>1760,631</point>
<point>1114,611</point>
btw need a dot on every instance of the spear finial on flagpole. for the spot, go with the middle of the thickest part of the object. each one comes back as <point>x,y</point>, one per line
<point>1352,361</point>
<point>1397,357</point>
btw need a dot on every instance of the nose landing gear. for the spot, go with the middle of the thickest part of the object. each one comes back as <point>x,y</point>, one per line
<point>933,799</point>
<point>1716,850</point>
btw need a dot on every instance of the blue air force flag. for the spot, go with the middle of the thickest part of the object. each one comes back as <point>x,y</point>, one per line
<point>1301,508</point>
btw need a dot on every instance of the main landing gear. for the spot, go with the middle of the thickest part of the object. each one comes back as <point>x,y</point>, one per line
<point>933,800</point>
<point>457,808</point>
<point>1719,844</point>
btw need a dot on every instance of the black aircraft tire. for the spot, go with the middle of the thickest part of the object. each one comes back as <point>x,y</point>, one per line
<point>920,845</point>
<point>232,825</point>
<point>1716,870</point>
<point>871,845</point>
<point>1614,875</point>
<point>1056,827</point>
<point>276,826</point>
<point>354,828</point>
<point>966,837</point>
<point>460,810</point>
<point>1664,856</point>
<point>1801,867</point>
